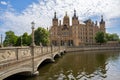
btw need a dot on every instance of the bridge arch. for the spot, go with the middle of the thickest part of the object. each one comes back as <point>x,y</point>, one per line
<point>46,59</point>
<point>22,71</point>
<point>63,52</point>
<point>56,55</point>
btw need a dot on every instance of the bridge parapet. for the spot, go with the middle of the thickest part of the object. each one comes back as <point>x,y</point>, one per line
<point>16,59</point>
<point>23,53</point>
<point>7,55</point>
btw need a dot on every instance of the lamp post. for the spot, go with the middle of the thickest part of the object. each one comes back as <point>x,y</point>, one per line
<point>21,41</point>
<point>51,41</point>
<point>50,38</point>
<point>33,24</point>
<point>59,42</point>
<point>1,41</point>
<point>32,45</point>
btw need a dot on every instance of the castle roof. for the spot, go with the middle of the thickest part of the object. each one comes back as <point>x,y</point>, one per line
<point>66,16</point>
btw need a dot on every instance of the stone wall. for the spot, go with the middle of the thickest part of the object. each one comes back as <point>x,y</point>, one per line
<point>7,55</point>
<point>89,48</point>
<point>17,53</point>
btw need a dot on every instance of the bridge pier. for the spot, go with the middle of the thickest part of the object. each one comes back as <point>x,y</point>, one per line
<point>53,60</point>
<point>59,54</point>
<point>35,73</point>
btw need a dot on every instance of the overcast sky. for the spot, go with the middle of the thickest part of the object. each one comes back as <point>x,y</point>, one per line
<point>17,15</point>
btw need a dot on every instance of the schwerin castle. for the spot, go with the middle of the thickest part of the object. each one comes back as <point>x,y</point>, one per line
<point>78,33</point>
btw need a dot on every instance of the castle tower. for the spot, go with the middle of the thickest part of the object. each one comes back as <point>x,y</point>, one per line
<point>75,19</point>
<point>55,20</point>
<point>66,20</point>
<point>59,22</point>
<point>102,25</point>
<point>96,23</point>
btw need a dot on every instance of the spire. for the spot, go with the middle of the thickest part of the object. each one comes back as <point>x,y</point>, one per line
<point>59,22</point>
<point>101,18</point>
<point>66,16</point>
<point>66,13</point>
<point>55,15</point>
<point>74,13</point>
<point>66,19</point>
<point>74,16</point>
<point>102,21</point>
<point>96,23</point>
<point>55,20</point>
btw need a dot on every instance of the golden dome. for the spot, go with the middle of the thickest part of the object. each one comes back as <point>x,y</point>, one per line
<point>66,16</point>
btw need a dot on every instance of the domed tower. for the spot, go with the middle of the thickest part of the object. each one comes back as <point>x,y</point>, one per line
<point>55,20</point>
<point>66,20</point>
<point>102,25</point>
<point>75,19</point>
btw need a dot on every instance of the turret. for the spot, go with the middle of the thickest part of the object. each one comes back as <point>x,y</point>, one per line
<point>59,22</point>
<point>102,25</point>
<point>55,20</point>
<point>96,23</point>
<point>66,20</point>
<point>75,19</point>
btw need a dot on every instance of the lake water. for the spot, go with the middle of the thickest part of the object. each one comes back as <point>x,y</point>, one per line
<point>86,65</point>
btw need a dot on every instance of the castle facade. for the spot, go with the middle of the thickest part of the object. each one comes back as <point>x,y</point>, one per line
<point>78,33</point>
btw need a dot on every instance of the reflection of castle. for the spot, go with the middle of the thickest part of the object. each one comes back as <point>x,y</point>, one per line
<point>76,34</point>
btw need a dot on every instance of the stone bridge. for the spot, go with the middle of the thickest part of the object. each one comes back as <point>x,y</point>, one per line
<point>25,60</point>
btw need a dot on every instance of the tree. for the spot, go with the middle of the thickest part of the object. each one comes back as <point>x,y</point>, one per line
<point>100,37</point>
<point>112,37</point>
<point>107,36</point>
<point>41,36</point>
<point>18,42</point>
<point>24,40</point>
<point>29,40</point>
<point>10,39</point>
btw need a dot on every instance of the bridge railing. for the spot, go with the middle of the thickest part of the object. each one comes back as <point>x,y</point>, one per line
<point>14,55</point>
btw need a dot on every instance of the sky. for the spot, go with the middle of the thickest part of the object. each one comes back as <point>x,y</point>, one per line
<point>17,15</point>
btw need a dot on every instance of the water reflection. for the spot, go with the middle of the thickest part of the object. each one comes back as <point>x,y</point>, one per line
<point>104,65</point>
<point>82,66</point>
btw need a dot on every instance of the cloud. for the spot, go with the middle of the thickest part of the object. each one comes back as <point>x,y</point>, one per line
<point>43,11</point>
<point>3,3</point>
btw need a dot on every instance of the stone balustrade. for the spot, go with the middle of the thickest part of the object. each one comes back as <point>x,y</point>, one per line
<point>20,59</point>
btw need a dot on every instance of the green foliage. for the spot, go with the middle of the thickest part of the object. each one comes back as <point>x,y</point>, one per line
<point>41,36</point>
<point>100,37</point>
<point>18,42</point>
<point>25,40</point>
<point>10,39</point>
<point>112,37</point>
